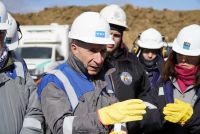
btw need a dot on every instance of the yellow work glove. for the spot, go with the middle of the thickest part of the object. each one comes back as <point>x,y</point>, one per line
<point>178,112</point>
<point>125,111</point>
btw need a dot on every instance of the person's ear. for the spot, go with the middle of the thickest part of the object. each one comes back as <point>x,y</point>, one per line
<point>74,48</point>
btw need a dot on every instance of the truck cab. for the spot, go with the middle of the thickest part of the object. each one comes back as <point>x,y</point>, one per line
<point>43,47</point>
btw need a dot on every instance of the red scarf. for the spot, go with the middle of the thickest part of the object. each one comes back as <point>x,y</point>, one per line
<point>185,76</point>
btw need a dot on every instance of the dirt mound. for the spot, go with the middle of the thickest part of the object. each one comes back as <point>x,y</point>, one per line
<point>166,21</point>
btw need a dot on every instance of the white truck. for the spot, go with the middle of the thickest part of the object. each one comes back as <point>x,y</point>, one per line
<point>43,47</point>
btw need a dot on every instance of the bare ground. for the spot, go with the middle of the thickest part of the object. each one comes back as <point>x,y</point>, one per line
<point>166,21</point>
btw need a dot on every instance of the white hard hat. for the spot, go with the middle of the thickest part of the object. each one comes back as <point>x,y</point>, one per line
<point>12,38</point>
<point>3,17</point>
<point>114,15</point>
<point>90,27</point>
<point>150,39</point>
<point>188,41</point>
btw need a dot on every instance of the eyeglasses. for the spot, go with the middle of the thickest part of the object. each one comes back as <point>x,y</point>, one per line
<point>194,60</point>
<point>2,31</point>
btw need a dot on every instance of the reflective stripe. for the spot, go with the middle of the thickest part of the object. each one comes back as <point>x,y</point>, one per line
<point>149,105</point>
<point>68,124</point>
<point>32,122</point>
<point>161,91</point>
<point>68,87</point>
<point>19,69</point>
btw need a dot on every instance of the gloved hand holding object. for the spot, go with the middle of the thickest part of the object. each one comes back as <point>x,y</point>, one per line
<point>178,112</point>
<point>125,111</point>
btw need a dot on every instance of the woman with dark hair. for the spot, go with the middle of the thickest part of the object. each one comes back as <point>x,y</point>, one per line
<point>179,94</point>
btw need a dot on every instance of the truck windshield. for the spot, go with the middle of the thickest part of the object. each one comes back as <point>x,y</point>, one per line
<point>35,52</point>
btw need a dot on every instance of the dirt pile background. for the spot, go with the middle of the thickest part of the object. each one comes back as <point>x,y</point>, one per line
<point>166,21</point>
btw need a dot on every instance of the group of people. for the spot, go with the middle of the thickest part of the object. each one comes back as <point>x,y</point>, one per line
<point>103,88</point>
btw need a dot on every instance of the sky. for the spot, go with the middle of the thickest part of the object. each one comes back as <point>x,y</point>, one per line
<point>27,6</point>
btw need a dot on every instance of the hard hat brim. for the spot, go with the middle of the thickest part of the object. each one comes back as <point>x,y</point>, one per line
<point>176,47</point>
<point>106,41</point>
<point>150,44</point>
<point>118,23</point>
<point>4,26</point>
<point>13,45</point>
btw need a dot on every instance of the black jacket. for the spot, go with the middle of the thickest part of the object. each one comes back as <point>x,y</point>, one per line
<point>129,82</point>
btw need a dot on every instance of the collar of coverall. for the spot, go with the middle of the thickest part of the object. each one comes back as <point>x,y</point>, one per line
<point>76,64</point>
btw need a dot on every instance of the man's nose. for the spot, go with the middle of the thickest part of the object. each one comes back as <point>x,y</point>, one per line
<point>112,36</point>
<point>150,54</point>
<point>184,59</point>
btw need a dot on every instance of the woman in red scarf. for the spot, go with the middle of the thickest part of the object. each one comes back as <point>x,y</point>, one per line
<point>179,94</point>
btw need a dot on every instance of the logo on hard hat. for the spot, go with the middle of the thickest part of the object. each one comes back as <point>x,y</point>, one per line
<point>126,78</point>
<point>100,34</point>
<point>186,45</point>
